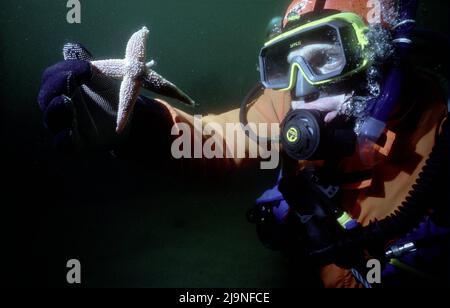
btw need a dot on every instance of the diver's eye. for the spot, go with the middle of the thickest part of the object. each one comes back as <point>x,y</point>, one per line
<point>319,59</point>
<point>322,58</point>
<point>331,60</point>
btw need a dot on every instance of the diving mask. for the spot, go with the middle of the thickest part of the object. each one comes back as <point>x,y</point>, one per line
<point>315,54</point>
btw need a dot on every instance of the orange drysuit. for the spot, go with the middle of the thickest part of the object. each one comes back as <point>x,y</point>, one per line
<point>411,135</point>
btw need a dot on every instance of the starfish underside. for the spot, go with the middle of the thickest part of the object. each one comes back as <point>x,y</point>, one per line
<point>136,73</point>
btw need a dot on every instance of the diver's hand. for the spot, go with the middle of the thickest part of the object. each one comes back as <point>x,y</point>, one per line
<point>80,106</point>
<point>59,84</point>
<point>83,103</point>
<point>80,109</point>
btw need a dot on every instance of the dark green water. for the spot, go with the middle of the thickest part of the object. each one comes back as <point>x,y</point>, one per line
<point>126,229</point>
<point>127,226</point>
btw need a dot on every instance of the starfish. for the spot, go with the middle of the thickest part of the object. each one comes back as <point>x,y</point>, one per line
<point>135,73</point>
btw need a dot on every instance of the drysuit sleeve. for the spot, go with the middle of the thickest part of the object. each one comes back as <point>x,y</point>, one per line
<point>211,142</point>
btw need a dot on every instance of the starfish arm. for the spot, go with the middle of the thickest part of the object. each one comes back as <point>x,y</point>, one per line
<point>136,47</point>
<point>156,83</point>
<point>129,92</point>
<point>111,68</point>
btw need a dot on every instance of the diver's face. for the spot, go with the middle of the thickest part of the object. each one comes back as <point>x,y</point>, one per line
<point>323,59</point>
<point>331,105</point>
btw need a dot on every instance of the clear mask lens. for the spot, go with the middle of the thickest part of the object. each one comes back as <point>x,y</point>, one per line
<point>322,59</point>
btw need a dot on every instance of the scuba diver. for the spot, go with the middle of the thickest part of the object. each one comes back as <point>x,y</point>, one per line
<point>364,138</point>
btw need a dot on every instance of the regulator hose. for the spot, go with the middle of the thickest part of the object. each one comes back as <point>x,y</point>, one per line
<point>410,214</point>
<point>412,211</point>
<point>252,95</point>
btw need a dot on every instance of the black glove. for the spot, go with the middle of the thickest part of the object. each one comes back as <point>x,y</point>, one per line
<point>80,109</point>
<point>79,105</point>
<point>59,83</point>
